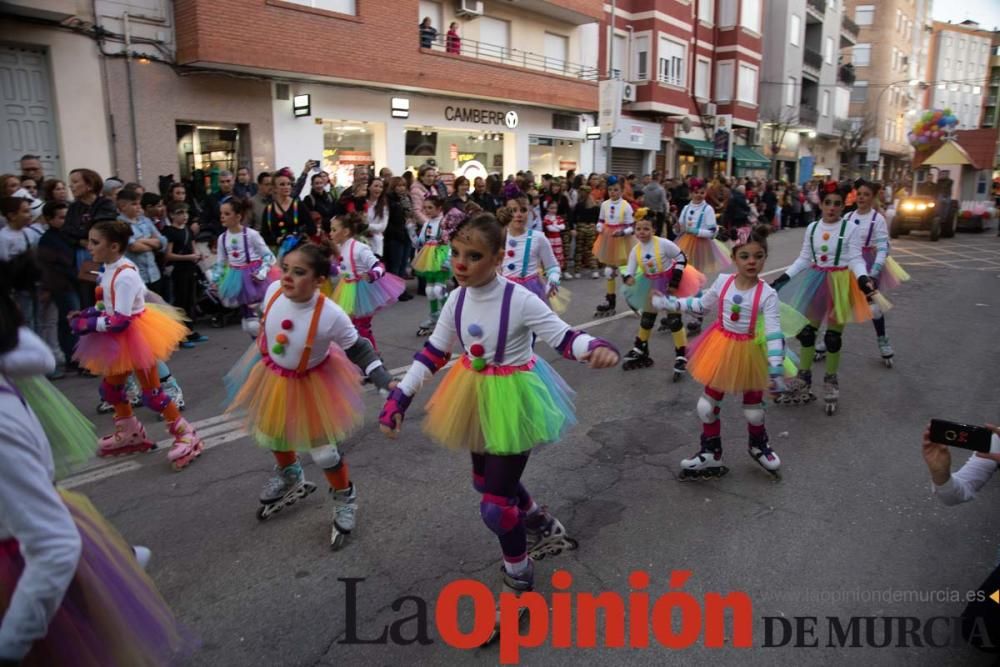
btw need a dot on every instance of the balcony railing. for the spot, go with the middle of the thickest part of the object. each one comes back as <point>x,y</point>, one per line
<point>812,58</point>
<point>808,115</point>
<point>494,53</point>
<point>850,26</point>
<point>817,6</point>
<point>846,74</point>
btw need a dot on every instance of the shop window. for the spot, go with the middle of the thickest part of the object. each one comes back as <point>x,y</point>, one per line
<point>468,153</point>
<point>548,155</point>
<point>346,145</point>
<point>208,147</point>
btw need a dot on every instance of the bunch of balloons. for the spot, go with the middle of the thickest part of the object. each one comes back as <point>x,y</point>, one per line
<point>932,128</point>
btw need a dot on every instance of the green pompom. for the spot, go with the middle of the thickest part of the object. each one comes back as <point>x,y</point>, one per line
<point>278,348</point>
<point>478,364</point>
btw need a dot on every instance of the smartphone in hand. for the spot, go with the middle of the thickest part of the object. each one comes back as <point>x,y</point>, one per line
<point>965,436</point>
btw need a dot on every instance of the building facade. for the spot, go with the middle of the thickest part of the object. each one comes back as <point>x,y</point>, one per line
<point>959,69</point>
<point>689,64</point>
<point>991,102</point>
<point>805,94</point>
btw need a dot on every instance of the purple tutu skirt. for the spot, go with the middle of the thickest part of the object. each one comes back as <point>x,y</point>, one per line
<point>112,613</point>
<point>892,275</point>
<point>238,287</point>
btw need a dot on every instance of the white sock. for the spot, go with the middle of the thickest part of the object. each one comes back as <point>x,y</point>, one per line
<point>514,569</point>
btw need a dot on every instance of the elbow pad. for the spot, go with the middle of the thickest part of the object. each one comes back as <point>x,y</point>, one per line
<point>780,281</point>
<point>675,277</point>
<point>116,323</point>
<point>362,355</point>
<point>866,284</point>
<point>431,357</point>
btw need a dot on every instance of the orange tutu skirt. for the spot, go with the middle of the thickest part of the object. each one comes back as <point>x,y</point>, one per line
<point>612,250</point>
<point>728,362</point>
<point>152,336</point>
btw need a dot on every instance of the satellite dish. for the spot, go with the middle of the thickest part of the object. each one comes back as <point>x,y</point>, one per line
<point>686,124</point>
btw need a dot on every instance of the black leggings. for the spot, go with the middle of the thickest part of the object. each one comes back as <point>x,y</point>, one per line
<point>185,284</point>
<point>500,477</point>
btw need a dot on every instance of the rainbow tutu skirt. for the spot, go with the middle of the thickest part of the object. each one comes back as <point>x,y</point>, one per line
<point>152,336</point>
<point>707,255</point>
<point>286,410</point>
<point>238,287</point>
<point>827,294</point>
<point>360,298</point>
<point>558,301</point>
<point>500,410</point>
<point>638,295</point>
<point>431,262</point>
<point>610,249</point>
<point>892,276</point>
<point>111,614</point>
<point>71,436</point>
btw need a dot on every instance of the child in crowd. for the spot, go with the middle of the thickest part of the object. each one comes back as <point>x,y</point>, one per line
<point>433,260</point>
<point>243,264</point>
<point>146,241</point>
<point>614,241</point>
<point>16,248</point>
<point>182,266</point>
<point>554,226</point>
<point>57,259</point>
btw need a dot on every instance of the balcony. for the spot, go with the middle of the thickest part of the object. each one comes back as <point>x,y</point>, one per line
<point>470,48</point>
<point>812,60</point>
<point>808,115</point>
<point>848,32</point>
<point>816,9</point>
<point>846,74</point>
<point>576,12</point>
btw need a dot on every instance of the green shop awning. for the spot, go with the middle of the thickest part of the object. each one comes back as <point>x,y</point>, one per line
<point>744,156</point>
<point>698,147</point>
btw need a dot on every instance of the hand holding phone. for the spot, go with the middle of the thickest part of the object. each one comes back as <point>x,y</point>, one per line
<point>965,436</point>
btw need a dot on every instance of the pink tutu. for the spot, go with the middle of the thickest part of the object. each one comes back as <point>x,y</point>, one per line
<point>707,255</point>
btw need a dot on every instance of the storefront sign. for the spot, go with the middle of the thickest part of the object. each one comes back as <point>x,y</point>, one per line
<point>354,157</point>
<point>635,134</point>
<point>481,116</point>
<point>566,165</point>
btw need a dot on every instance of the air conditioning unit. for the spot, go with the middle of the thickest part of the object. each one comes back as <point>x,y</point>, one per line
<point>710,108</point>
<point>470,8</point>
<point>628,92</point>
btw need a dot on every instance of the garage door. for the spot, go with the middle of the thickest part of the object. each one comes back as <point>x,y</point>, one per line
<point>627,160</point>
<point>28,117</point>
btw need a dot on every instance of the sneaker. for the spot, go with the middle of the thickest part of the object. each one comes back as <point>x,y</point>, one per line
<point>405,296</point>
<point>196,337</point>
<point>188,345</point>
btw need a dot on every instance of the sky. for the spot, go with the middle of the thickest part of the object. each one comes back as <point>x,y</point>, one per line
<point>985,12</point>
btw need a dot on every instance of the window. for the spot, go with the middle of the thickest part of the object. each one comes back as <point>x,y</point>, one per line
<point>899,20</point>
<point>947,63</point>
<point>791,96</point>
<point>671,62</point>
<point>640,59</point>
<point>705,11</point>
<point>724,82</point>
<point>942,85</point>
<point>860,91</point>
<point>864,14</point>
<point>863,55</point>
<point>747,89</point>
<point>977,90</point>
<point>556,52</point>
<point>703,79</point>
<point>750,15</point>
<point>895,58</point>
<point>828,50</point>
<point>620,65</point>
<point>339,6</point>
<point>795,30</point>
<point>888,130</point>
<point>728,10</point>
<point>825,103</point>
<point>494,36</point>
<point>434,11</point>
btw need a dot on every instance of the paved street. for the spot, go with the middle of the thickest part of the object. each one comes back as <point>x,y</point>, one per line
<point>853,513</point>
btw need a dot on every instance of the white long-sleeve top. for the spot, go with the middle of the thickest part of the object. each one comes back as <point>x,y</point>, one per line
<point>482,311</point>
<point>243,248</point>
<point>965,482</point>
<point>13,242</point>
<point>334,327</point>
<point>356,260</point>
<point>874,233</point>
<point>698,219</point>
<point>376,225</point>
<point>655,256</point>
<point>430,231</point>
<point>616,212</point>
<point>731,296</point>
<point>822,252</point>
<point>524,253</point>
<point>31,511</point>
<point>124,293</point>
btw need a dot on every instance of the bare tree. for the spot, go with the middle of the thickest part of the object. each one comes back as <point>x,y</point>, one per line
<point>778,123</point>
<point>854,135</point>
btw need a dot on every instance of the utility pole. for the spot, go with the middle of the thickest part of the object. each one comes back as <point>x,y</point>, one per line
<point>611,75</point>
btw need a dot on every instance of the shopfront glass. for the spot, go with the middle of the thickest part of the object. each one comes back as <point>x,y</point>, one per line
<point>468,153</point>
<point>347,144</point>
<point>208,148</point>
<point>548,155</point>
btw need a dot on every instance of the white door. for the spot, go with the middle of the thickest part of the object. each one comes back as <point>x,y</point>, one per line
<point>556,52</point>
<point>28,122</point>
<point>494,37</point>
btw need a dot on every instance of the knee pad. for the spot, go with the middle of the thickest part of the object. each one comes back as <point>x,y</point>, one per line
<point>647,320</point>
<point>500,514</point>
<point>834,341</point>
<point>155,399</point>
<point>327,457</point>
<point>609,272</point>
<point>675,322</point>
<point>708,410</point>
<point>807,336</point>
<point>113,393</point>
<point>754,414</point>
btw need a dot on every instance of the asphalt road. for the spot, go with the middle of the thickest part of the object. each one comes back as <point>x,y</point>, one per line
<point>851,524</point>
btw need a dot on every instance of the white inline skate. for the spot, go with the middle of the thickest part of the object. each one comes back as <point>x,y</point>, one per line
<point>345,506</point>
<point>831,393</point>
<point>885,349</point>
<point>761,452</point>
<point>546,535</point>
<point>286,488</point>
<point>798,390</point>
<point>706,463</point>
<point>522,583</point>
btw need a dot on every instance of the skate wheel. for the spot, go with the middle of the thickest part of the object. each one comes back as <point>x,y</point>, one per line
<point>678,376</point>
<point>337,540</point>
<point>262,513</point>
<point>888,363</point>
<point>830,409</point>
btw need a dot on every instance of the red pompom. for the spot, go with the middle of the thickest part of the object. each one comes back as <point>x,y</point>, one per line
<point>477,350</point>
<point>286,325</point>
<point>831,188</point>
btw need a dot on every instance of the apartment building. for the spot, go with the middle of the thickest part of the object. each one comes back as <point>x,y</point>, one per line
<point>887,90</point>
<point>991,103</point>
<point>959,68</point>
<point>688,63</point>
<point>805,92</point>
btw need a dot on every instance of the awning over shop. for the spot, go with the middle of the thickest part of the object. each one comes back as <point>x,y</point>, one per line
<point>698,147</point>
<point>744,156</point>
